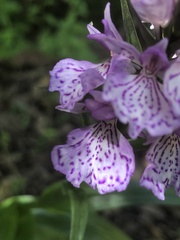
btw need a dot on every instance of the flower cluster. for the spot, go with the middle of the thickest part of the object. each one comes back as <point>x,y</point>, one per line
<point>141,89</point>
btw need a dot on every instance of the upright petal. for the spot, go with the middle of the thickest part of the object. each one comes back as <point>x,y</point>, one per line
<point>109,28</point>
<point>172,85</point>
<point>164,166</point>
<point>98,155</point>
<point>138,100</point>
<point>157,12</point>
<point>154,58</point>
<point>116,46</point>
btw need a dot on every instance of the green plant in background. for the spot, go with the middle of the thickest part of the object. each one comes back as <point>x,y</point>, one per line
<point>62,212</point>
<point>53,28</point>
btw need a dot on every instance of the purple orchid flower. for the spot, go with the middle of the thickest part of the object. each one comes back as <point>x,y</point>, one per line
<point>137,98</point>
<point>163,170</point>
<point>157,12</point>
<point>73,79</point>
<point>65,78</point>
<point>172,84</point>
<point>98,155</point>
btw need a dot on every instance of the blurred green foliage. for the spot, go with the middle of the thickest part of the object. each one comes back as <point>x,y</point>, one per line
<point>60,212</point>
<point>53,27</point>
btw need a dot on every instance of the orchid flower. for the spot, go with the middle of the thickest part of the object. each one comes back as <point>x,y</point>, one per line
<point>163,170</point>
<point>139,89</point>
<point>65,78</point>
<point>68,75</point>
<point>138,98</point>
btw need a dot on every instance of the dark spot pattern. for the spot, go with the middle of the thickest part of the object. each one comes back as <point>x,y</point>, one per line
<point>172,86</point>
<point>164,166</point>
<point>98,155</point>
<point>139,101</point>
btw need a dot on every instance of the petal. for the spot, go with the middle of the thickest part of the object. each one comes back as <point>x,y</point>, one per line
<point>172,85</point>
<point>78,108</point>
<point>158,12</point>
<point>164,166</point>
<point>92,29</point>
<point>109,28</point>
<point>93,78</point>
<point>100,111</point>
<point>65,79</point>
<point>139,101</point>
<point>117,46</point>
<point>155,59</point>
<point>98,155</point>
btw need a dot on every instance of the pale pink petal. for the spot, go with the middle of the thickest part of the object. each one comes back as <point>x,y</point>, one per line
<point>98,155</point>
<point>172,85</point>
<point>163,170</point>
<point>65,79</point>
<point>109,28</point>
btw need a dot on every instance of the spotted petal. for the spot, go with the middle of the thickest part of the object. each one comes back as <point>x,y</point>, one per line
<point>98,155</point>
<point>164,166</point>
<point>138,100</point>
<point>172,85</point>
<point>65,79</point>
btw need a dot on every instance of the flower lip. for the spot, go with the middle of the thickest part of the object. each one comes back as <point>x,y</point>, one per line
<point>164,166</point>
<point>98,155</point>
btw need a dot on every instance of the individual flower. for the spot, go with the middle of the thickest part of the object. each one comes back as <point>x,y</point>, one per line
<point>172,84</point>
<point>98,155</point>
<point>157,12</point>
<point>163,170</point>
<point>137,98</point>
<point>65,78</point>
<point>73,79</point>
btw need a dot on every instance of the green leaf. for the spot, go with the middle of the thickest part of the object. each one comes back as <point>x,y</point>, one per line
<point>8,221</point>
<point>129,27</point>
<point>79,214</point>
<point>50,225</point>
<point>56,197</point>
<point>100,229</point>
<point>25,225</point>
<point>134,195</point>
